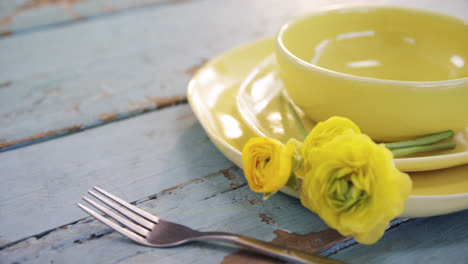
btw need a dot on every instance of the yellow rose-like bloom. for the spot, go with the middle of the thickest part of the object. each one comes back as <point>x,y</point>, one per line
<point>267,163</point>
<point>354,187</point>
<point>326,131</point>
<point>323,133</point>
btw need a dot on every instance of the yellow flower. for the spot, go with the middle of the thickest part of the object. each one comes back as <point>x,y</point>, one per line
<point>267,163</point>
<point>326,131</point>
<point>354,186</point>
<point>323,133</point>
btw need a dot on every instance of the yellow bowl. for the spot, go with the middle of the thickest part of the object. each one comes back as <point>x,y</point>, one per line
<point>396,72</point>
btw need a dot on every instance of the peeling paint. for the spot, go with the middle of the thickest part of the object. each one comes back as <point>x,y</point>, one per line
<point>106,117</point>
<point>5,33</point>
<point>39,3</point>
<point>227,173</point>
<point>41,135</point>
<point>234,185</point>
<point>192,70</point>
<point>266,219</point>
<point>5,84</point>
<point>76,107</point>
<point>109,9</point>
<point>185,116</point>
<point>252,202</point>
<point>314,242</point>
<point>105,94</point>
<point>66,4</point>
<point>179,185</point>
<point>52,90</point>
<point>158,102</point>
<point>6,20</point>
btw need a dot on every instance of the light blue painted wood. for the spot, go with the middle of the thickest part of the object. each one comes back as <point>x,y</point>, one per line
<point>117,65</point>
<point>135,158</point>
<point>440,239</point>
<point>7,7</point>
<point>21,15</point>
<point>69,76</point>
<point>144,155</point>
<point>213,202</point>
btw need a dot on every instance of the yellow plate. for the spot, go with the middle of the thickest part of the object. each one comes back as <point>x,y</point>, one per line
<point>262,103</point>
<point>212,94</point>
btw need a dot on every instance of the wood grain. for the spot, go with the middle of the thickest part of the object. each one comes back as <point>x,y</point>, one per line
<point>134,158</point>
<point>440,239</point>
<point>61,79</point>
<point>71,75</point>
<point>313,242</point>
<point>219,206</point>
<point>21,15</point>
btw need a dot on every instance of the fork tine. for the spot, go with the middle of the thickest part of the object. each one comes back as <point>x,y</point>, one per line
<point>125,232</point>
<point>128,206</point>
<point>140,220</point>
<point>140,230</point>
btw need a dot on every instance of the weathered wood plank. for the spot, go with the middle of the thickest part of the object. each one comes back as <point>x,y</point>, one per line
<point>324,243</point>
<point>134,158</point>
<point>83,74</point>
<point>223,202</point>
<point>20,15</point>
<point>441,239</point>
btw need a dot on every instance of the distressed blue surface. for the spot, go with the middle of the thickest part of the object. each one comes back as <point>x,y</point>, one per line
<point>439,239</point>
<point>25,18</point>
<point>57,71</point>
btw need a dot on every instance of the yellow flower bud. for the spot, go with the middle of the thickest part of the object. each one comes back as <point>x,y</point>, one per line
<point>354,186</point>
<point>267,163</point>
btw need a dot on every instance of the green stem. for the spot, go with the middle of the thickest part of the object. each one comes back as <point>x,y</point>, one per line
<point>425,148</point>
<point>293,182</point>
<point>298,120</point>
<point>420,141</point>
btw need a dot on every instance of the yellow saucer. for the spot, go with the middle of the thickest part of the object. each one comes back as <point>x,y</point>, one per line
<point>212,94</point>
<point>262,102</point>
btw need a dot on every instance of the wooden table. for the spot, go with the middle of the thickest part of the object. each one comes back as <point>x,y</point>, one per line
<point>94,93</point>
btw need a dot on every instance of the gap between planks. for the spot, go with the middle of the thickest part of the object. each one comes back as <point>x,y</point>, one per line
<point>151,105</point>
<point>327,242</point>
<point>87,219</point>
<point>75,17</point>
<point>324,243</point>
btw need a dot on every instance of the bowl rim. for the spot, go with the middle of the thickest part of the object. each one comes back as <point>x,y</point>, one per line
<point>282,50</point>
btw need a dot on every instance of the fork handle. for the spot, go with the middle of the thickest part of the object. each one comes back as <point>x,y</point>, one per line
<point>269,248</point>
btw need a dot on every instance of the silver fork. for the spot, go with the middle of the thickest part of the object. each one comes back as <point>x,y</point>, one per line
<point>149,230</point>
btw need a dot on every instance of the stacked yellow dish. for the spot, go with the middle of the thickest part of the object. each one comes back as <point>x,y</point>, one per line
<point>379,67</point>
